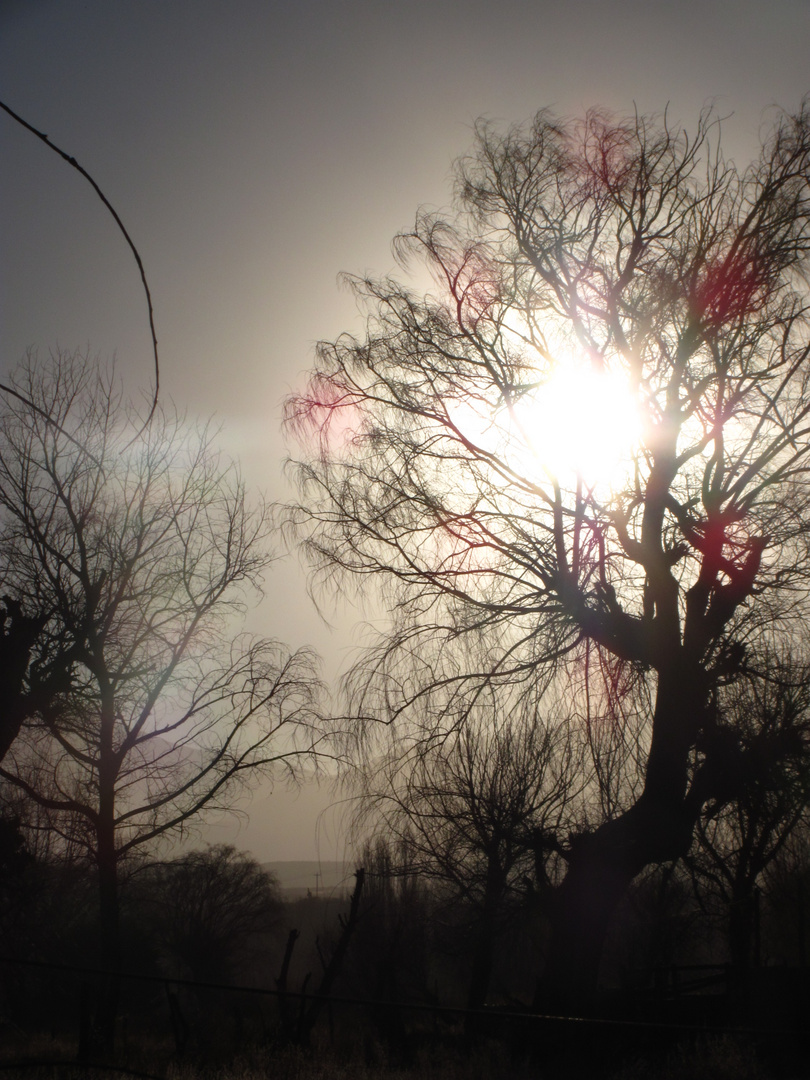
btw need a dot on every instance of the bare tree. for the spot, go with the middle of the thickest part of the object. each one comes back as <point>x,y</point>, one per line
<point>29,676</point>
<point>630,250</point>
<point>481,809</point>
<point>36,662</point>
<point>737,839</point>
<point>787,912</point>
<point>141,551</point>
<point>210,910</point>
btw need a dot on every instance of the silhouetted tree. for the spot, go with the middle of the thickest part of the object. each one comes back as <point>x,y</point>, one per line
<point>210,911</point>
<point>391,952</point>
<point>480,809</point>
<point>737,840</point>
<point>626,250</point>
<point>786,888</point>
<point>140,546</point>
<point>35,666</point>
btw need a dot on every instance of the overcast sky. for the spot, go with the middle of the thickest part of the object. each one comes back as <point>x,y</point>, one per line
<point>255,149</point>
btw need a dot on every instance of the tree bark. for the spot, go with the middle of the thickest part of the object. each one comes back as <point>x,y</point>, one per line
<point>110,942</point>
<point>481,971</point>
<point>742,927</point>
<point>108,899</point>
<point>602,864</point>
<point>601,868</point>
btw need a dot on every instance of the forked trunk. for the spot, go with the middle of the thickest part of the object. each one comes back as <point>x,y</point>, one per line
<point>598,877</point>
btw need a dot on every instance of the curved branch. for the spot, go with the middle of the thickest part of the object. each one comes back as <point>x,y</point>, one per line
<point>72,161</point>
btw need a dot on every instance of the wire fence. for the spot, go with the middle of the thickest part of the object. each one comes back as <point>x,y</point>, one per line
<point>717,976</point>
<point>174,1025</point>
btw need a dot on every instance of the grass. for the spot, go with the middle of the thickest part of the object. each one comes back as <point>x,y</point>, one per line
<point>709,1058</point>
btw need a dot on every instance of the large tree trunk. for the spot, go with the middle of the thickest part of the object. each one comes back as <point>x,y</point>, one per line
<point>580,915</point>
<point>603,864</point>
<point>743,920</point>
<point>483,950</point>
<point>601,868</point>
<point>108,901</point>
<point>481,970</point>
<point>110,952</point>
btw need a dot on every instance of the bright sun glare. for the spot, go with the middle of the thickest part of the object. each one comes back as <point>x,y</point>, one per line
<point>581,422</point>
<point>578,423</point>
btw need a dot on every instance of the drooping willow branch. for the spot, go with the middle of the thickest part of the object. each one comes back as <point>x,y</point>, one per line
<point>72,161</point>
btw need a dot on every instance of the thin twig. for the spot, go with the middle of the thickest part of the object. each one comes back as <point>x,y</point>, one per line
<point>47,416</point>
<point>72,161</point>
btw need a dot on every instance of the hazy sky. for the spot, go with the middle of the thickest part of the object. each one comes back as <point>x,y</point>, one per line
<point>256,149</point>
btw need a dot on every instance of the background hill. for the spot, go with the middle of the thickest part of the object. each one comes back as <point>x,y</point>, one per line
<point>297,878</point>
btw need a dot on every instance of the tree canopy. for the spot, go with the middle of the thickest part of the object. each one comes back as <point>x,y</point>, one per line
<point>632,254</point>
<point>134,546</point>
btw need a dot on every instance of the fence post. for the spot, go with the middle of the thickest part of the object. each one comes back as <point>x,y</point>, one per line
<point>178,1021</point>
<point>83,1052</point>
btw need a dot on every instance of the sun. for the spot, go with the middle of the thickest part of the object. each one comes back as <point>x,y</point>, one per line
<point>581,423</point>
<point>577,426</point>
